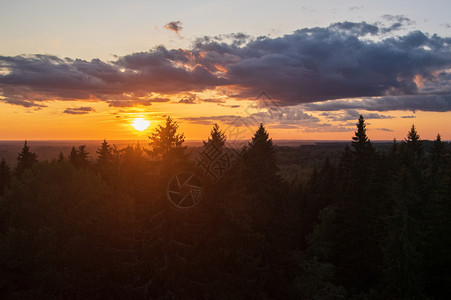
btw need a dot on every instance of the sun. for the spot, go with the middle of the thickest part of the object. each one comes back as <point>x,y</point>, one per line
<point>140,124</point>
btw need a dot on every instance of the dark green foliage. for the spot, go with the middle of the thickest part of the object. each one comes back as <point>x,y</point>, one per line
<point>259,162</point>
<point>25,160</point>
<point>105,154</point>
<point>360,141</point>
<point>79,158</point>
<point>166,143</point>
<point>217,137</point>
<point>5,176</point>
<point>365,224</point>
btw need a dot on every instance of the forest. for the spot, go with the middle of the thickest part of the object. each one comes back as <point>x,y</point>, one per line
<point>224,223</point>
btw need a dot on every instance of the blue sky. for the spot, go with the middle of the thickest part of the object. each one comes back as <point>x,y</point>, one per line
<point>98,29</point>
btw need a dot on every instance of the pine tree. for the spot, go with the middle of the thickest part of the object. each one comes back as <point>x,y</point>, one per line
<point>61,157</point>
<point>217,137</point>
<point>105,154</point>
<point>5,176</point>
<point>73,156</point>
<point>360,141</point>
<point>260,166</point>
<point>166,143</point>
<point>438,154</point>
<point>83,157</point>
<point>414,144</point>
<point>79,158</point>
<point>355,244</point>
<point>25,160</point>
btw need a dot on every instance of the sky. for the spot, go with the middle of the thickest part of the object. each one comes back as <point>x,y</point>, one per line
<point>306,69</point>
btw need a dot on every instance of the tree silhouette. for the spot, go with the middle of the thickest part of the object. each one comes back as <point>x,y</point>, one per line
<point>5,176</point>
<point>414,144</point>
<point>217,137</point>
<point>79,158</point>
<point>438,154</point>
<point>25,160</point>
<point>105,154</point>
<point>260,166</point>
<point>360,141</point>
<point>166,143</point>
<point>167,146</point>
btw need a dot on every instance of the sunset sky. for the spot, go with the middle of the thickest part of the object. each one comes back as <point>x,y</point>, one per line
<point>306,69</point>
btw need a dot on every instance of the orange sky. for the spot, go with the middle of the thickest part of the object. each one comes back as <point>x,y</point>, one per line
<point>19,123</point>
<point>309,82</point>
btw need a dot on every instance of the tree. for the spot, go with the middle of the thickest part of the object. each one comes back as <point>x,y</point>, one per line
<point>61,157</point>
<point>5,176</point>
<point>360,141</point>
<point>414,144</point>
<point>260,166</point>
<point>79,158</point>
<point>217,137</point>
<point>25,160</point>
<point>166,143</point>
<point>105,152</point>
<point>438,154</point>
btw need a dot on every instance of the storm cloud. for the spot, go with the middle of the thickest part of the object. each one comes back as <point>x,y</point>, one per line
<point>439,103</point>
<point>312,65</point>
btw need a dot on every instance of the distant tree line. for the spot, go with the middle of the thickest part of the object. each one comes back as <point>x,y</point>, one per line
<point>368,224</point>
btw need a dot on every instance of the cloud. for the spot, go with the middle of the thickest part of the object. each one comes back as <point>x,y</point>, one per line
<point>135,102</point>
<point>189,99</point>
<point>439,103</point>
<point>78,110</point>
<point>175,26</point>
<point>383,129</point>
<point>311,65</point>
<point>359,7</point>
<point>352,114</point>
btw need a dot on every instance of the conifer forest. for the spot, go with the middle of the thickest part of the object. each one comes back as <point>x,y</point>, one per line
<point>164,221</point>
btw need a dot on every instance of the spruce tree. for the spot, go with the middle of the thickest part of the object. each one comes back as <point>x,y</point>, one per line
<point>438,154</point>
<point>83,157</point>
<point>166,143</point>
<point>260,166</point>
<point>25,160</point>
<point>360,141</point>
<point>79,158</point>
<point>105,154</point>
<point>61,157</point>
<point>73,157</point>
<point>414,144</point>
<point>217,137</point>
<point>5,176</point>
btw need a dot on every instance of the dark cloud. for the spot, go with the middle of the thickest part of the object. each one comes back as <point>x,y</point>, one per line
<point>229,106</point>
<point>396,22</point>
<point>408,117</point>
<point>383,129</point>
<point>135,102</point>
<point>408,72</point>
<point>358,29</point>
<point>352,114</point>
<point>175,26</point>
<point>189,99</point>
<point>78,110</point>
<point>440,103</point>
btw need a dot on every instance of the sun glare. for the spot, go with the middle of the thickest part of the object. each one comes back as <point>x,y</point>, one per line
<point>140,124</point>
